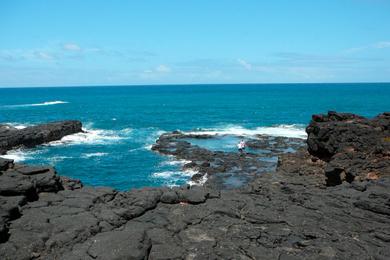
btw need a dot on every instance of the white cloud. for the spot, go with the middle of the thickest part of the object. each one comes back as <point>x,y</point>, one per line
<point>245,64</point>
<point>71,47</point>
<point>42,55</point>
<point>163,69</point>
<point>382,45</point>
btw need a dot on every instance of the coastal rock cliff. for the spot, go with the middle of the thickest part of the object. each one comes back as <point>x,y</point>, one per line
<point>11,137</point>
<point>295,212</point>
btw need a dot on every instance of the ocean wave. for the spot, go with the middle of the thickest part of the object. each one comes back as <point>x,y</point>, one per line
<point>145,138</point>
<point>93,137</point>
<point>172,178</point>
<point>20,155</point>
<point>292,131</point>
<point>89,155</point>
<point>17,125</point>
<point>87,137</point>
<point>174,162</point>
<point>152,138</point>
<point>200,182</point>
<point>172,174</point>
<point>55,159</point>
<point>47,103</point>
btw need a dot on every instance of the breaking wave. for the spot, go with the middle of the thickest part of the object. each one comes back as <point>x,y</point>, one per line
<point>90,155</point>
<point>20,155</point>
<point>47,103</point>
<point>291,131</point>
<point>93,137</point>
<point>175,178</point>
<point>16,125</point>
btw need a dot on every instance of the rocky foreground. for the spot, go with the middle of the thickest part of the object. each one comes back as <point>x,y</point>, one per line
<point>329,201</point>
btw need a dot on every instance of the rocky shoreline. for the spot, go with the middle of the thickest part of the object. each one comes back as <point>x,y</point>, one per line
<point>32,136</point>
<point>330,200</point>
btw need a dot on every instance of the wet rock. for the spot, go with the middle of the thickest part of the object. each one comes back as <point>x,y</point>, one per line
<point>225,169</point>
<point>36,135</point>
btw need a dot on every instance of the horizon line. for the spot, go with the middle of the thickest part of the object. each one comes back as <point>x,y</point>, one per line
<point>195,84</point>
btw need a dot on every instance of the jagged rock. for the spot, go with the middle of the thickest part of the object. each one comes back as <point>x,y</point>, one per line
<point>5,163</point>
<point>287,214</point>
<point>353,146</point>
<point>35,135</point>
<point>221,166</point>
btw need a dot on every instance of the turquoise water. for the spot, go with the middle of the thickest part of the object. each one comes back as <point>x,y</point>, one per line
<point>124,121</point>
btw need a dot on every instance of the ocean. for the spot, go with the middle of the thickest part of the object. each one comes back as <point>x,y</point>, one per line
<point>122,122</point>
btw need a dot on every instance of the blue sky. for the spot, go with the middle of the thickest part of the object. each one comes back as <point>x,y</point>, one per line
<point>61,43</point>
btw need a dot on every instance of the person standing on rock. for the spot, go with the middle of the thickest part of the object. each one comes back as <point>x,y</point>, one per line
<point>241,146</point>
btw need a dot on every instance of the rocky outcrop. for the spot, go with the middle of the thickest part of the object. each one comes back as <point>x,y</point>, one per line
<point>287,214</point>
<point>354,147</point>
<point>226,170</point>
<point>35,135</point>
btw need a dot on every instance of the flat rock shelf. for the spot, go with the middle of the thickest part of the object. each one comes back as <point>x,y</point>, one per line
<point>329,200</point>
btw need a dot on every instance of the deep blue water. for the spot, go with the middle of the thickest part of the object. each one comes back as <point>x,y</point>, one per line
<point>124,121</point>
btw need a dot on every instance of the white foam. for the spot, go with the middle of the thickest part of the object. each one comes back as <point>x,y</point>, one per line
<point>20,155</point>
<point>174,174</point>
<point>174,162</point>
<point>292,131</point>
<point>17,125</point>
<point>47,103</point>
<point>16,156</point>
<point>56,159</point>
<point>92,137</point>
<point>151,139</point>
<point>201,182</point>
<point>89,155</point>
<point>136,149</point>
<point>125,131</point>
<point>148,146</point>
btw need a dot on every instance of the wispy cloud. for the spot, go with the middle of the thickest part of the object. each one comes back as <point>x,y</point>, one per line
<point>27,55</point>
<point>72,50</point>
<point>43,55</point>
<point>245,64</point>
<point>382,45</point>
<point>160,71</point>
<point>163,69</point>
<point>71,47</point>
<point>377,45</point>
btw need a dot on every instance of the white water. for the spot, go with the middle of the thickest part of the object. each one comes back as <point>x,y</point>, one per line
<point>20,155</point>
<point>92,137</point>
<point>291,131</point>
<point>172,177</point>
<point>90,155</point>
<point>17,125</point>
<point>47,103</point>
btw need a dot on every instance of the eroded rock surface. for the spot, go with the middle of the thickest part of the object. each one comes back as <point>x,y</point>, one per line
<point>222,169</point>
<point>289,214</point>
<point>35,135</point>
<point>354,147</point>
